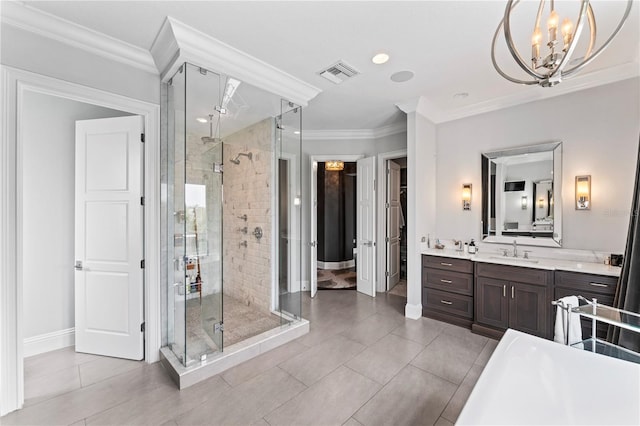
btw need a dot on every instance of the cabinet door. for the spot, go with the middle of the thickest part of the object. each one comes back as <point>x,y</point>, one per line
<point>492,305</point>
<point>528,310</point>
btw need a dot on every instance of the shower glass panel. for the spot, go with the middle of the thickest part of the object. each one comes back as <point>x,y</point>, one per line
<point>231,166</point>
<point>289,204</point>
<point>196,302</point>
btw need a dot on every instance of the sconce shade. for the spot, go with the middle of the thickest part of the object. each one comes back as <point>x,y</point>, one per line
<point>541,203</point>
<point>583,192</point>
<point>334,166</point>
<point>525,202</point>
<point>466,196</point>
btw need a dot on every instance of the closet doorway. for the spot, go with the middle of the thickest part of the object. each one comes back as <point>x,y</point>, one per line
<point>392,226</point>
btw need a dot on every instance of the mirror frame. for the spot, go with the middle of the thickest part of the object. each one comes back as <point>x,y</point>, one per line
<point>554,241</point>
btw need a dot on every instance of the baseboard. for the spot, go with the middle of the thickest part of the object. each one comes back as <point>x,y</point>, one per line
<point>337,265</point>
<point>413,311</point>
<point>49,342</point>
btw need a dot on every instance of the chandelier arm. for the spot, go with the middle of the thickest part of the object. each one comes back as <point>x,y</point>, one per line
<point>497,67</point>
<point>592,39</point>
<point>606,43</point>
<point>584,7</point>
<point>505,23</point>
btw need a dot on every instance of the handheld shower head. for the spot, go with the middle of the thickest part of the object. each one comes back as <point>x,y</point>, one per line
<point>235,160</point>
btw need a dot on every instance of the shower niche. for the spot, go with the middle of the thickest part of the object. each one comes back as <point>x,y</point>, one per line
<point>231,222</point>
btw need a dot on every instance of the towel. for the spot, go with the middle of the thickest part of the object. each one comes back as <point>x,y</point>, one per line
<point>575,329</point>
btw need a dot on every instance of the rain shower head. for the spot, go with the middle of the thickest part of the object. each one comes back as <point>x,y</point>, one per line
<point>236,160</point>
<point>211,138</point>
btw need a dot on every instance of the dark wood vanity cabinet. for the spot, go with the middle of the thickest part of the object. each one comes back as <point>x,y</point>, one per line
<point>601,287</point>
<point>512,297</point>
<point>447,289</point>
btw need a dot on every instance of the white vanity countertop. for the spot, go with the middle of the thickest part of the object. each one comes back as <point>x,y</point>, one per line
<point>537,262</point>
<point>530,380</point>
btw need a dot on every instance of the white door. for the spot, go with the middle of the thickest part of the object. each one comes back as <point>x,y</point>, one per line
<point>313,269</point>
<point>393,224</point>
<point>365,226</point>
<point>109,237</point>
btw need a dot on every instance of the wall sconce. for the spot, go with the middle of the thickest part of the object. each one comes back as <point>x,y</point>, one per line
<point>466,196</point>
<point>583,192</point>
<point>541,203</point>
<point>334,166</point>
<point>524,201</point>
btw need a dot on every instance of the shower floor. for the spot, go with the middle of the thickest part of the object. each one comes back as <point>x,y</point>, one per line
<point>240,322</point>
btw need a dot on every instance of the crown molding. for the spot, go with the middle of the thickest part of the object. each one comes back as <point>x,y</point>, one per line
<point>177,43</point>
<point>355,134</point>
<point>44,24</point>
<point>581,82</point>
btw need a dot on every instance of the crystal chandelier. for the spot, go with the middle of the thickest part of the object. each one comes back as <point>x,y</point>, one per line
<point>550,67</point>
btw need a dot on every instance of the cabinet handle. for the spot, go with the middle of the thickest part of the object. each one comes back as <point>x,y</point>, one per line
<point>446,302</point>
<point>446,264</point>
<point>598,285</point>
<point>446,281</point>
<point>512,292</point>
<point>504,290</point>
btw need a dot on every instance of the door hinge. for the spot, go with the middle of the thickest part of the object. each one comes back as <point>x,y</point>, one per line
<point>218,168</point>
<point>142,137</point>
<point>386,239</point>
<point>386,274</point>
<point>142,201</point>
<point>217,328</point>
<point>386,205</point>
<point>142,263</point>
<point>142,327</point>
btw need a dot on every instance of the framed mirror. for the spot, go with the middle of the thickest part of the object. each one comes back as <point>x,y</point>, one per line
<point>522,195</point>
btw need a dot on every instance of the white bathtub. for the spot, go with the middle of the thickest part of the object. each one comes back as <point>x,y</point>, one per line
<point>529,380</point>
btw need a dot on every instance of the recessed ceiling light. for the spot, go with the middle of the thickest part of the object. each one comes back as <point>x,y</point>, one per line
<point>202,120</point>
<point>402,76</point>
<point>380,58</point>
<point>461,95</point>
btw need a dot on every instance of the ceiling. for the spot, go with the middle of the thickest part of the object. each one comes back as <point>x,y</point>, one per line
<point>446,44</point>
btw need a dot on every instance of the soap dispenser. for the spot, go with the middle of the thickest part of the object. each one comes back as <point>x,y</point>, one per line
<point>472,247</point>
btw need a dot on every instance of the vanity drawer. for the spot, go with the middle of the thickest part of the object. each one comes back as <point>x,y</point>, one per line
<point>456,282</point>
<point>447,263</point>
<point>602,284</point>
<point>449,303</point>
<point>514,273</point>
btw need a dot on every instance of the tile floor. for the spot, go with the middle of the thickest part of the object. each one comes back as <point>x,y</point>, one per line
<point>362,363</point>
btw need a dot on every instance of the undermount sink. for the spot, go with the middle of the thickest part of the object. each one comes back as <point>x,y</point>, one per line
<point>514,259</point>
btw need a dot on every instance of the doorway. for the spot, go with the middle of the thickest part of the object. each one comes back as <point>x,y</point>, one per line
<point>365,223</point>
<point>48,252</point>
<point>392,208</point>
<point>336,225</point>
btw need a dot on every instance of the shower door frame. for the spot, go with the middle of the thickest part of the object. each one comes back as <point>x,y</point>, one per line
<point>14,83</point>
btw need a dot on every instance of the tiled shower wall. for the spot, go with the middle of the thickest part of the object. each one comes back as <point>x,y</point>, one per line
<point>247,191</point>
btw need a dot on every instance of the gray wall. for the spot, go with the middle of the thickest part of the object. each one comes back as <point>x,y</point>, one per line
<point>32,52</point>
<point>599,129</point>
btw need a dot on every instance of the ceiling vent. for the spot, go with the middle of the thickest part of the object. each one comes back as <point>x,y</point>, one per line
<point>338,72</point>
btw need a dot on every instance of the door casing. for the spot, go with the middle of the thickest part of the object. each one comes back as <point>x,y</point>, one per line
<point>13,85</point>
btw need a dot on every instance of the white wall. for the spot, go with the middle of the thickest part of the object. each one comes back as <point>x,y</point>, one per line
<point>42,55</point>
<point>366,147</point>
<point>48,193</point>
<point>599,129</point>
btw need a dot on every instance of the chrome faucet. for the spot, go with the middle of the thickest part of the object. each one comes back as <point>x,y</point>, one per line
<point>515,248</point>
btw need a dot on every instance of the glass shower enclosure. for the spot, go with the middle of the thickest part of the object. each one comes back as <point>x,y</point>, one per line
<point>231,218</point>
